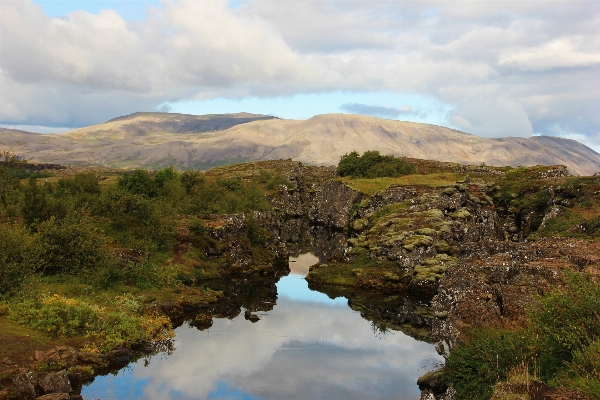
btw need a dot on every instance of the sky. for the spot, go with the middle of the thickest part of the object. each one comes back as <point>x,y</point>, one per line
<point>491,68</point>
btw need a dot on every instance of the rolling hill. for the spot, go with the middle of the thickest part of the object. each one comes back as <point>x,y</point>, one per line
<point>154,140</point>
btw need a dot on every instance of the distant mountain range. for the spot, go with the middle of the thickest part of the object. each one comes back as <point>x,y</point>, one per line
<point>155,140</point>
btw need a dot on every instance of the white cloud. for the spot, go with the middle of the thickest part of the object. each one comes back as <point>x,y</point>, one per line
<point>298,350</point>
<point>560,53</point>
<point>506,68</point>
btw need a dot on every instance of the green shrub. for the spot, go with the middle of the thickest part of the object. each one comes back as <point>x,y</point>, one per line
<point>373,165</point>
<point>39,206</point>
<point>583,372</point>
<point>566,322</point>
<point>72,246</point>
<point>142,183</point>
<point>562,338</point>
<point>486,357</point>
<point>19,258</point>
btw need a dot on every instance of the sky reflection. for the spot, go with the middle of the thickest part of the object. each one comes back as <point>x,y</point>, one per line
<point>308,347</point>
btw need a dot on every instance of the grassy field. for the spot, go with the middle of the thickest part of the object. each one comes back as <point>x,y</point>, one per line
<point>374,185</point>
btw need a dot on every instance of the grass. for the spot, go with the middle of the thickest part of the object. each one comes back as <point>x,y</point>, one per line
<point>120,325</point>
<point>373,274</point>
<point>372,186</point>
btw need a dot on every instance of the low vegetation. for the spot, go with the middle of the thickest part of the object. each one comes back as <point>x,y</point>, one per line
<point>372,164</point>
<point>64,240</point>
<point>560,344</point>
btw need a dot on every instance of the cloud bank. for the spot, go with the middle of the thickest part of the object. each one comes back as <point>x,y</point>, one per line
<point>503,68</point>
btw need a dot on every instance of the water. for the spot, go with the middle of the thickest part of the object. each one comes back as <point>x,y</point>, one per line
<point>307,347</point>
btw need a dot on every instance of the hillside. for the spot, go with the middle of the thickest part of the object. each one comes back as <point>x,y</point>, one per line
<point>155,140</point>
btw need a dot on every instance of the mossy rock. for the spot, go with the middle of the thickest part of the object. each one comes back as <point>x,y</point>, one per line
<point>475,199</point>
<point>444,248</point>
<point>417,240</point>
<point>431,269</point>
<point>433,215</point>
<point>449,191</point>
<point>390,276</point>
<point>426,232</point>
<point>462,213</point>
<point>435,381</point>
<point>395,239</point>
<point>360,224</point>
<point>428,198</point>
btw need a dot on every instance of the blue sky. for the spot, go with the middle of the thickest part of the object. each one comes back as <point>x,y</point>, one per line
<point>492,68</point>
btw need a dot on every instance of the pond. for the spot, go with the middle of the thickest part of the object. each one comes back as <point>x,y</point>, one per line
<point>308,346</point>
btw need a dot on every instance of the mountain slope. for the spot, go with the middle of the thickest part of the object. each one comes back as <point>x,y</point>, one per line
<point>155,140</point>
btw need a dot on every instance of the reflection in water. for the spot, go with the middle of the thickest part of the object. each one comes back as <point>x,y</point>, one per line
<point>307,347</point>
<point>301,264</point>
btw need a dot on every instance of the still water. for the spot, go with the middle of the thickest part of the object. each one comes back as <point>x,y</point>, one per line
<point>307,347</point>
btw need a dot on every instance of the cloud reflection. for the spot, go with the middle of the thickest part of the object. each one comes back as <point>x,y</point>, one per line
<point>300,350</point>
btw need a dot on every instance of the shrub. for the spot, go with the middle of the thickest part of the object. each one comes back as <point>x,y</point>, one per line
<point>72,246</point>
<point>373,165</point>
<point>486,357</point>
<point>567,322</point>
<point>19,258</point>
<point>140,182</point>
<point>38,205</point>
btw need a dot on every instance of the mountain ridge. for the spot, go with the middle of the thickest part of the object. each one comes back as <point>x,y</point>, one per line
<point>155,140</point>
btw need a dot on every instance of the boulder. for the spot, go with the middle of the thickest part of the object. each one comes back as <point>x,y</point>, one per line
<point>56,382</point>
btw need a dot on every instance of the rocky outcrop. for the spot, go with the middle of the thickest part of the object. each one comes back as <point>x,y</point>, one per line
<point>333,205</point>
<point>496,290</point>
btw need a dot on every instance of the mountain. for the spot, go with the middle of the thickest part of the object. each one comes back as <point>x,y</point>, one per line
<point>154,140</point>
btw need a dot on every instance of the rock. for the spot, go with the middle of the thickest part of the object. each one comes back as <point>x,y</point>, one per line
<point>24,386</point>
<point>434,382</point>
<point>55,396</point>
<point>56,382</point>
<point>333,205</point>
<point>251,317</point>
<point>442,347</point>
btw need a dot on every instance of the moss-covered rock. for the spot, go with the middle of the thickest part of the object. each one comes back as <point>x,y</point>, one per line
<point>411,242</point>
<point>431,269</point>
<point>460,214</point>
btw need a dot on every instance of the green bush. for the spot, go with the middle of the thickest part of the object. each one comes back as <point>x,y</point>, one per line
<point>72,246</point>
<point>486,357</point>
<point>142,183</point>
<point>39,206</point>
<point>566,322</point>
<point>19,258</point>
<point>373,165</point>
<point>583,372</point>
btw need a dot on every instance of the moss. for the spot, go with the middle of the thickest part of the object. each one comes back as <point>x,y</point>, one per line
<point>411,242</point>
<point>444,248</point>
<point>431,269</point>
<point>435,381</point>
<point>361,271</point>
<point>426,232</point>
<point>460,214</point>
<point>392,240</point>
<point>360,224</point>
<point>433,215</point>
<point>429,198</point>
<point>449,191</point>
